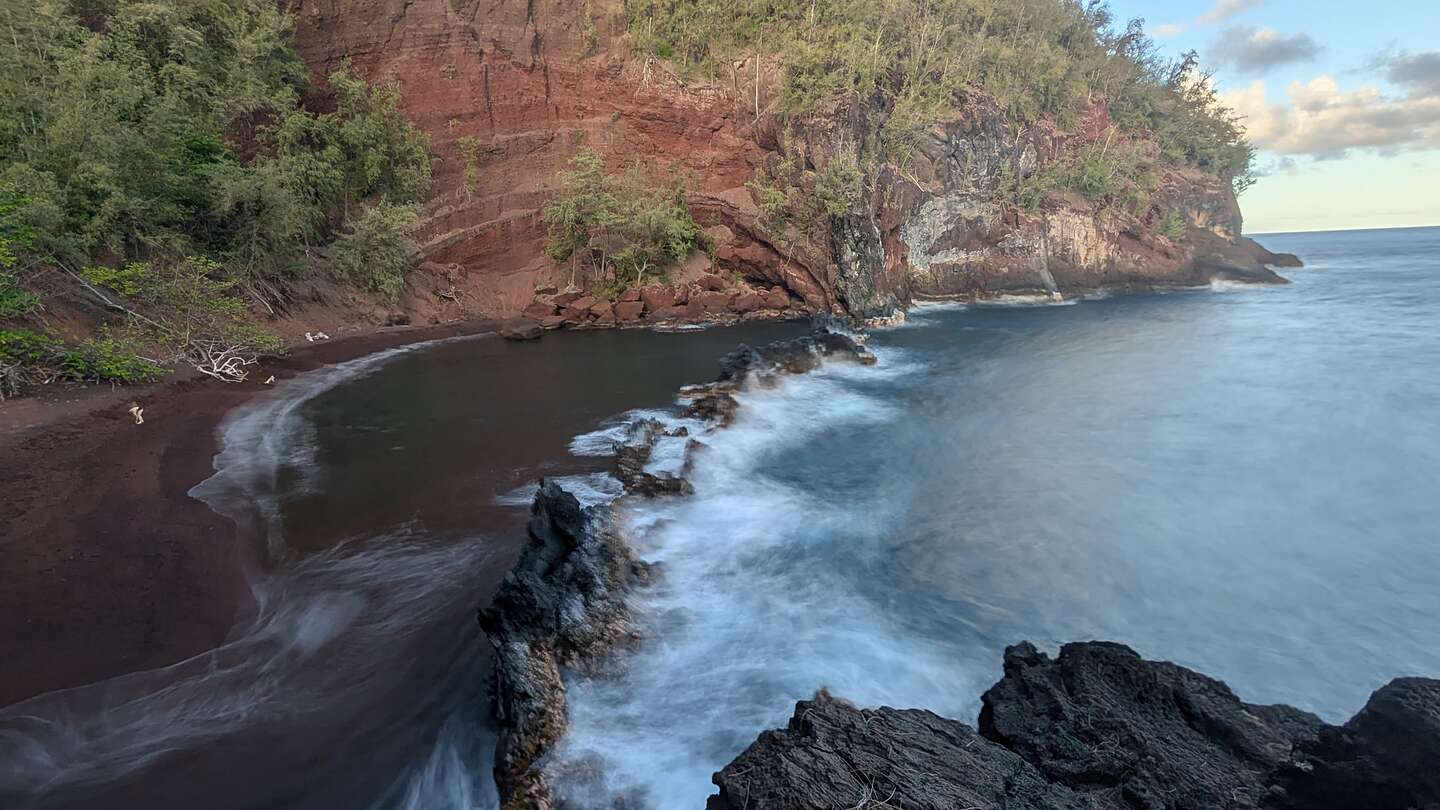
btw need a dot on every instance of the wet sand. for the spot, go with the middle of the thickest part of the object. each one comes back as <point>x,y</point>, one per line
<point>109,566</point>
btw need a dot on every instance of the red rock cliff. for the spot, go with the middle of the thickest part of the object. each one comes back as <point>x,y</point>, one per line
<point>527,82</point>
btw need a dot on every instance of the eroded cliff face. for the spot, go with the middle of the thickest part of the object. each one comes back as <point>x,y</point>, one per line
<point>521,85</point>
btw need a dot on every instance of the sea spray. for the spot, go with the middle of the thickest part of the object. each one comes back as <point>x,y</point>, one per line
<point>568,601</point>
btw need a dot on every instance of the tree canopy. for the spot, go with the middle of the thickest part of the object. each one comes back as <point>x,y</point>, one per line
<point>171,136</point>
<point>1038,58</point>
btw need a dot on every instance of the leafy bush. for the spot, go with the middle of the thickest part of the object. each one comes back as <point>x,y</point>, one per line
<point>1172,226</point>
<point>837,184</point>
<point>24,346</point>
<point>126,280</point>
<point>1113,172</point>
<point>14,300</point>
<point>774,202</point>
<point>377,251</point>
<point>31,358</point>
<point>157,131</point>
<point>617,224</point>
<point>112,360</point>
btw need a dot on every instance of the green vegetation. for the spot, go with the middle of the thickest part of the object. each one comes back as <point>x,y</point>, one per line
<point>837,184</point>
<point>376,251</point>
<point>1110,173</point>
<point>469,163</point>
<point>616,226</point>
<point>589,34</point>
<point>163,147</point>
<point>1041,59</point>
<point>1172,226</point>
<point>31,358</point>
<point>773,200</point>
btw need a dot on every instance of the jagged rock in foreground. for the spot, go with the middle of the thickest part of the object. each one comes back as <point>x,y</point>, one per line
<point>835,755</point>
<point>564,604</point>
<point>1097,727</point>
<point>561,603</point>
<point>1388,755</point>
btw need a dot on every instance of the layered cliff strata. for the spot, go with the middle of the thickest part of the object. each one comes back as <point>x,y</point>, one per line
<point>509,90</point>
<point>1097,727</point>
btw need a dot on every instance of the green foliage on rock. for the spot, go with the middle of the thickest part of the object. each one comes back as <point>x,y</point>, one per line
<point>773,201</point>
<point>618,224</point>
<point>837,184</point>
<point>376,252</point>
<point>1039,58</point>
<point>1172,226</point>
<point>15,301</point>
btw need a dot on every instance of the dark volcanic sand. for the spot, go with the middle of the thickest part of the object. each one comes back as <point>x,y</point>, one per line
<point>108,565</point>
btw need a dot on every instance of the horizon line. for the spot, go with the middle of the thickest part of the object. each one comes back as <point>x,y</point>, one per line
<point>1344,230</point>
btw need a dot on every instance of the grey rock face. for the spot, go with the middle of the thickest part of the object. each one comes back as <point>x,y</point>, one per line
<point>1098,727</point>
<point>1145,734</point>
<point>835,755</point>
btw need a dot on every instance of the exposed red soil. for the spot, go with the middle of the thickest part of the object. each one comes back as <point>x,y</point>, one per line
<point>108,565</point>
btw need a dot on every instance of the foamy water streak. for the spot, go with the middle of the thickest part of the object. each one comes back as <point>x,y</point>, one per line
<point>332,630</point>
<point>747,618</point>
<point>269,437</point>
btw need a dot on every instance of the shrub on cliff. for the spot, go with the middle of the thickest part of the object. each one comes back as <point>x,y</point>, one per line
<point>377,252</point>
<point>1042,59</point>
<point>616,226</point>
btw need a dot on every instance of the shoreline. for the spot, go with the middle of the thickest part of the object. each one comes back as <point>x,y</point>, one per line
<point>98,511</point>
<point>110,566</point>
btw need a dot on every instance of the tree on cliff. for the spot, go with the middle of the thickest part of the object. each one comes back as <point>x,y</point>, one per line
<point>617,227</point>
<point>1044,61</point>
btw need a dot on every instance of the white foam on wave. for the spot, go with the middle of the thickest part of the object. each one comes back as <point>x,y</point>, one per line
<point>332,629</point>
<point>268,436</point>
<point>337,623</point>
<point>1231,285</point>
<point>743,621</point>
<point>1031,300</point>
<point>603,441</point>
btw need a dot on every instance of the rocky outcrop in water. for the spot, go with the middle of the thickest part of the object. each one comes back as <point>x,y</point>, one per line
<point>564,605</point>
<point>563,602</point>
<point>1097,727</point>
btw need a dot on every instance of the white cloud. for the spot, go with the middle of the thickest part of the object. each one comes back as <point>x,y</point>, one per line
<point>1220,12</point>
<point>1225,9</point>
<point>1322,121</point>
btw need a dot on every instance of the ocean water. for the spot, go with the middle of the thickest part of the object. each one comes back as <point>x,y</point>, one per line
<point>1242,480</point>
<point>1245,481</point>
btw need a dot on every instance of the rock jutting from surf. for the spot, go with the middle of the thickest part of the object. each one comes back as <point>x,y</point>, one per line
<point>564,603</point>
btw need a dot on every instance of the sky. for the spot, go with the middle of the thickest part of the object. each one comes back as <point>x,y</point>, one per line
<point>1341,98</point>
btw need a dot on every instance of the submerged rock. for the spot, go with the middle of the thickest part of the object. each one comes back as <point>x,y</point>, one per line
<point>1098,727</point>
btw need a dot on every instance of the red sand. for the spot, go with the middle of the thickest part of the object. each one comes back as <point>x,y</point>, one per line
<point>107,565</point>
